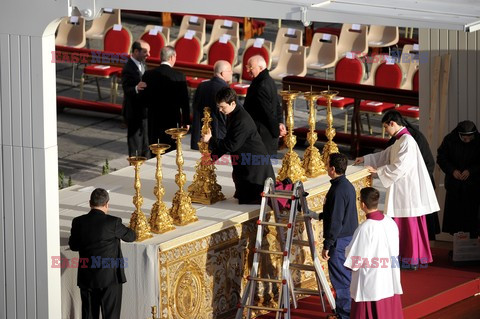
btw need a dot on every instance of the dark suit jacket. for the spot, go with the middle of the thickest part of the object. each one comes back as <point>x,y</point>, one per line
<point>205,97</point>
<point>264,106</point>
<point>166,96</point>
<point>98,234</point>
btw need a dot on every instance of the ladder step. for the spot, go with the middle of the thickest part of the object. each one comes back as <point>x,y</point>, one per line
<point>278,281</point>
<point>302,267</point>
<point>300,242</point>
<point>277,195</point>
<point>266,308</point>
<point>262,251</point>
<point>259,222</point>
<point>304,291</point>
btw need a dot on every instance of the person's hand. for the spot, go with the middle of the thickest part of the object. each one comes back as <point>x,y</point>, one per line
<point>325,255</point>
<point>358,160</point>
<point>311,214</point>
<point>205,138</point>
<point>457,174</point>
<point>371,169</point>
<point>141,86</point>
<point>187,127</point>
<point>465,174</point>
<point>283,130</point>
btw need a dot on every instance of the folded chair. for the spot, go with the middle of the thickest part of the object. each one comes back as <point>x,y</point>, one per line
<point>323,51</point>
<point>221,27</point>
<point>285,36</point>
<point>411,111</point>
<point>105,21</point>
<point>353,38</point>
<point>380,36</point>
<point>193,23</point>
<point>292,61</point>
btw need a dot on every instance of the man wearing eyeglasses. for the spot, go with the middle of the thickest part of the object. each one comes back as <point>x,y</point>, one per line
<point>263,104</point>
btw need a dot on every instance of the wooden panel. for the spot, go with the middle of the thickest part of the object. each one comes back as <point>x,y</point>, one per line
<point>434,87</point>
<point>462,76</point>
<point>15,86</point>
<point>453,85</point>
<point>6,122</point>
<point>472,84</point>
<point>26,86</point>
<point>424,80</point>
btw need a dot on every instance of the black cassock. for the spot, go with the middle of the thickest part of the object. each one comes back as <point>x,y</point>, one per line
<point>250,160</point>
<point>463,197</point>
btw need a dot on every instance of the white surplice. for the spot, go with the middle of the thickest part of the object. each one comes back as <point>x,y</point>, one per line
<point>402,170</point>
<point>374,278</point>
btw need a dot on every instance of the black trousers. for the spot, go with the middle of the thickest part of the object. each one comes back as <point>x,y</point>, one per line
<point>137,138</point>
<point>108,300</point>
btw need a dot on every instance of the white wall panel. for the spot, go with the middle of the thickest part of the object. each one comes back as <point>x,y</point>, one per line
<point>6,124</point>
<point>472,84</point>
<point>452,119</point>
<point>3,304</point>
<point>462,77</point>
<point>15,86</point>
<point>26,85</point>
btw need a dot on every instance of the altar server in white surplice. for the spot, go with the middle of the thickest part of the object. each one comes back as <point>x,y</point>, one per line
<point>372,256</point>
<point>410,195</point>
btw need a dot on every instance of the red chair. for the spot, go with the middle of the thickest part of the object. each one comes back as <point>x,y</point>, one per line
<point>116,41</point>
<point>411,110</point>
<point>156,41</point>
<point>222,51</point>
<point>388,76</point>
<point>189,50</point>
<point>350,71</point>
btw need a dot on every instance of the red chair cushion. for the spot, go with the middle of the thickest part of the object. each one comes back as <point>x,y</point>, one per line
<point>188,50</point>
<point>409,111</point>
<point>156,42</point>
<point>349,70</point>
<point>102,70</point>
<point>240,88</point>
<point>339,102</point>
<point>415,81</point>
<point>249,52</point>
<point>375,107</point>
<point>389,76</point>
<point>117,41</point>
<point>193,83</point>
<point>221,51</point>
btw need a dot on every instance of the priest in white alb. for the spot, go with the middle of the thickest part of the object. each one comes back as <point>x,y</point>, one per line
<point>372,256</point>
<point>410,194</point>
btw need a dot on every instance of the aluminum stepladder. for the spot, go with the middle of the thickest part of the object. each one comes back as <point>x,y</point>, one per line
<point>298,204</point>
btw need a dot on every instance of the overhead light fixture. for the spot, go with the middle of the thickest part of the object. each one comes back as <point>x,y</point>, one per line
<point>321,4</point>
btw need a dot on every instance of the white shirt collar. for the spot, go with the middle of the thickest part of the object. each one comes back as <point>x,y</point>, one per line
<point>166,62</point>
<point>137,63</point>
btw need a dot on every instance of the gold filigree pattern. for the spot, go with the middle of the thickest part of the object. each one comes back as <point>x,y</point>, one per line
<point>330,147</point>
<point>312,159</point>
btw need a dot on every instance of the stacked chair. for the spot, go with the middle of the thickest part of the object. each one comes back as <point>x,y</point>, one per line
<point>285,36</point>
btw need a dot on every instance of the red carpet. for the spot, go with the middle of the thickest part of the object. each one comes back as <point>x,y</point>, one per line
<point>425,291</point>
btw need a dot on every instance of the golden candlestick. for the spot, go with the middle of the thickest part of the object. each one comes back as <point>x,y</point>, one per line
<point>160,220</point>
<point>182,211</point>
<point>138,221</point>
<point>154,313</point>
<point>330,147</point>
<point>312,159</point>
<point>291,164</point>
<point>204,189</point>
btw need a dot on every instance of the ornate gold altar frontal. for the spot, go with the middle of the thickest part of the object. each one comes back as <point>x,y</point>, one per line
<point>204,278</point>
<point>291,165</point>
<point>204,188</point>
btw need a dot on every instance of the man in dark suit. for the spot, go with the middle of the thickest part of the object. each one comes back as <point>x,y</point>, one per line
<point>263,104</point>
<point>205,97</point>
<point>166,96</point>
<point>134,110</point>
<point>250,160</point>
<point>96,236</point>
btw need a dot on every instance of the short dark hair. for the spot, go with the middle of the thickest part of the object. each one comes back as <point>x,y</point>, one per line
<point>370,196</point>
<point>339,161</point>
<point>395,116</point>
<point>226,95</point>
<point>99,197</point>
<point>136,46</point>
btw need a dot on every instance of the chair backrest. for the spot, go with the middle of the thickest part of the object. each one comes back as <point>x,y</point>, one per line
<point>156,40</point>
<point>382,36</point>
<point>221,50</point>
<point>119,41</point>
<point>292,61</point>
<point>323,50</point>
<point>197,24</point>
<point>252,51</point>
<point>286,36</point>
<point>189,50</point>
<point>224,26</point>
<point>164,30</point>
<point>389,75</point>
<point>267,43</point>
<point>101,24</point>
<point>353,38</point>
<point>71,34</point>
<point>349,70</point>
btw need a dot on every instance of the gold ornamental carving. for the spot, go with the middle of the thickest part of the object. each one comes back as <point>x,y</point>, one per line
<point>205,189</point>
<point>291,164</point>
<point>182,210</point>
<point>312,159</point>
<point>188,291</point>
<point>160,220</point>
<point>330,147</point>
<point>138,221</point>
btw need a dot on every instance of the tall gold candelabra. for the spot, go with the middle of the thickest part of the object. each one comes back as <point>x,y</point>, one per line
<point>330,147</point>
<point>138,221</point>
<point>204,188</point>
<point>160,220</point>
<point>182,211</point>
<point>291,164</point>
<point>312,159</point>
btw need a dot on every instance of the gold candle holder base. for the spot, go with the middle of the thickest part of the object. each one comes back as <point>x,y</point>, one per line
<point>291,164</point>
<point>312,159</point>
<point>182,210</point>
<point>205,189</point>
<point>160,220</point>
<point>330,147</point>
<point>138,221</point>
